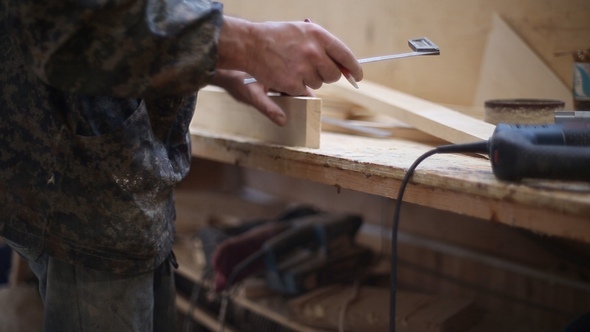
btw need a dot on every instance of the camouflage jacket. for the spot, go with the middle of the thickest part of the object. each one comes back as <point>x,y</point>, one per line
<point>96,99</point>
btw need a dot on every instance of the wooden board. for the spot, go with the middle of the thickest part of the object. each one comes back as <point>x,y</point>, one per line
<point>368,310</point>
<point>510,69</point>
<point>429,117</point>
<point>217,110</point>
<point>204,318</point>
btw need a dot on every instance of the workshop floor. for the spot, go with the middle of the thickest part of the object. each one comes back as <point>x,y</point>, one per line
<point>21,309</point>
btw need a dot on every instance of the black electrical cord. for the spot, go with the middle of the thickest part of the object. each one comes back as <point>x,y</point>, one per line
<point>479,147</point>
<point>247,262</point>
<point>194,297</point>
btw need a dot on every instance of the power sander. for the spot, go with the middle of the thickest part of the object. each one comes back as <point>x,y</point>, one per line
<point>558,152</point>
<point>517,151</point>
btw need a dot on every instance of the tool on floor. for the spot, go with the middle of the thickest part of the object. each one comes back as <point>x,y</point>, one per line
<point>226,247</point>
<point>298,253</point>
<point>314,251</point>
<point>419,46</point>
<point>318,251</point>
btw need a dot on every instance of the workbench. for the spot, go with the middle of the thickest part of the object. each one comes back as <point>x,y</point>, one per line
<point>457,183</point>
<point>460,187</point>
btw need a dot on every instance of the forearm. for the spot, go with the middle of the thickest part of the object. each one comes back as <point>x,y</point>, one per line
<point>124,49</point>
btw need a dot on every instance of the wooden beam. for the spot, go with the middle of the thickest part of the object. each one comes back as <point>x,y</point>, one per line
<point>216,110</point>
<point>429,117</point>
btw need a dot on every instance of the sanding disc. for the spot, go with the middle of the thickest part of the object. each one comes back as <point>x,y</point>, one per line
<point>522,111</point>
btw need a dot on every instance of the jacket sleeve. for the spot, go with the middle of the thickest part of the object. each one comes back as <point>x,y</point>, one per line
<point>121,48</point>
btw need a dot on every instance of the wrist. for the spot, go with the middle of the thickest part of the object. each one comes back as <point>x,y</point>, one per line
<point>236,42</point>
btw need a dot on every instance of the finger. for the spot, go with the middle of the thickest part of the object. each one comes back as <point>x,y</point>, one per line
<point>343,56</point>
<point>315,84</point>
<point>309,92</point>
<point>329,71</point>
<point>299,89</point>
<point>272,111</point>
<point>313,80</point>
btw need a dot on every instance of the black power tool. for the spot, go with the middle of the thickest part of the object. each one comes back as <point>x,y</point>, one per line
<point>557,151</point>
<point>517,151</point>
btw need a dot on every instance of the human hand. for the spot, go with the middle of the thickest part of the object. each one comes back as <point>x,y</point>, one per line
<point>255,94</point>
<point>285,56</point>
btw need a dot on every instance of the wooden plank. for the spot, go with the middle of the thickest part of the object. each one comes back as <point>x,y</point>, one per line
<point>429,117</point>
<point>276,310</point>
<point>217,110</point>
<point>368,310</point>
<point>201,316</point>
<point>510,69</point>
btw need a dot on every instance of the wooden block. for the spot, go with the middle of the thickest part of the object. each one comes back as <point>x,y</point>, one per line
<point>429,117</point>
<point>216,110</point>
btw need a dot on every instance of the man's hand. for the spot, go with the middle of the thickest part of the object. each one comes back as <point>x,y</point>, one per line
<point>254,94</point>
<point>285,56</point>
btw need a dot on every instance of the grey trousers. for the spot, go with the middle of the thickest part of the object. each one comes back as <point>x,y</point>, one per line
<point>78,299</point>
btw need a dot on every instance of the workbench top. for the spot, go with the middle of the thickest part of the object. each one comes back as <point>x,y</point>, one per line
<point>458,183</point>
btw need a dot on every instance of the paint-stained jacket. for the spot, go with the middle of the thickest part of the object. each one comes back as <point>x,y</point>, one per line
<point>95,102</point>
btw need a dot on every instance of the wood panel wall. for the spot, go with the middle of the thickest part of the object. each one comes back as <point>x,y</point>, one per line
<point>459,27</point>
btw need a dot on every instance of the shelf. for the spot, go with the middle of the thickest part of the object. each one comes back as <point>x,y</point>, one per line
<point>203,317</point>
<point>271,308</point>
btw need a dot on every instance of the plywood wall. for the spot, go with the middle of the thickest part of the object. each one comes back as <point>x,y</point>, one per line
<point>459,27</point>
